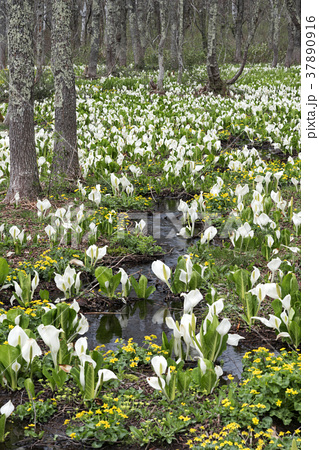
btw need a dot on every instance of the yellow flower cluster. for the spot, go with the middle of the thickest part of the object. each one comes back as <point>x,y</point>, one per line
<point>226,437</point>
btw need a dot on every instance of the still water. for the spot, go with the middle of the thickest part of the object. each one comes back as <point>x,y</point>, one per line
<point>142,318</point>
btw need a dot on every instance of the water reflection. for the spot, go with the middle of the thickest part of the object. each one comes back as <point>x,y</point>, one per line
<point>145,317</point>
<point>142,319</point>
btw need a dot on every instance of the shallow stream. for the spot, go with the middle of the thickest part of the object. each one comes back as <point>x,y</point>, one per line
<point>145,317</point>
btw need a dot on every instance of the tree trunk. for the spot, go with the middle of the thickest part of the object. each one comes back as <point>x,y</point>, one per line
<point>40,24</point>
<point>24,176</point>
<point>74,24</point>
<point>163,6</point>
<point>251,33</point>
<point>84,13</point>
<point>180,39</point>
<point>65,162</point>
<point>142,15</point>
<point>201,24</point>
<point>238,17</point>
<point>174,34</point>
<point>95,38</point>
<point>111,56</point>
<point>294,11</point>
<point>3,34</point>
<point>276,14</point>
<point>290,47</point>
<point>216,84</point>
<point>121,37</point>
<point>48,28</point>
<point>135,34</point>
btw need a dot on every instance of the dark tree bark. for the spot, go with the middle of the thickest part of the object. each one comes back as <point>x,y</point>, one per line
<point>24,176</point>
<point>65,164</point>
<point>3,34</point>
<point>95,38</point>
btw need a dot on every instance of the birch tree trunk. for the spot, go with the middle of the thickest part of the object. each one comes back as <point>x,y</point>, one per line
<point>95,38</point>
<point>3,34</point>
<point>24,176</point>
<point>65,164</point>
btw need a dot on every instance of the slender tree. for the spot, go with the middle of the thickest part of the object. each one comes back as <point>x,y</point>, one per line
<point>65,163</point>
<point>24,176</point>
